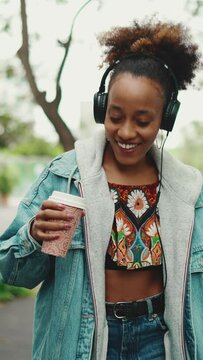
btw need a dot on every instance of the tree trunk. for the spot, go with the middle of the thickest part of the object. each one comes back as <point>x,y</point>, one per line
<point>65,135</point>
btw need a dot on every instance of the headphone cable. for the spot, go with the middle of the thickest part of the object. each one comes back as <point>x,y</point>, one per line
<point>156,211</point>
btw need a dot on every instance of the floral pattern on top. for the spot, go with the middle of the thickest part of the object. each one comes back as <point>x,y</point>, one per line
<point>135,240</point>
<point>137,202</point>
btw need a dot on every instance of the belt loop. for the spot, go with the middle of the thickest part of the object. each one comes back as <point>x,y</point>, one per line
<point>150,308</point>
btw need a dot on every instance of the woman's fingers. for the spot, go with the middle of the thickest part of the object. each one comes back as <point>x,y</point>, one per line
<point>50,210</point>
<point>41,236</point>
<point>48,230</point>
<point>50,220</point>
<point>52,225</point>
<point>48,204</point>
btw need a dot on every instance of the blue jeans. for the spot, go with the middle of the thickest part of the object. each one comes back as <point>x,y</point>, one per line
<point>138,339</point>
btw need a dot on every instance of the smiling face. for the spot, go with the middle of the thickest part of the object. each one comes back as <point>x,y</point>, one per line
<point>133,118</point>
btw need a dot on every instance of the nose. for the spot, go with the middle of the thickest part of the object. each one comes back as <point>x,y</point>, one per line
<point>127,131</point>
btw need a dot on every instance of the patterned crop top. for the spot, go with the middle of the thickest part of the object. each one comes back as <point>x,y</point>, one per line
<point>135,241</point>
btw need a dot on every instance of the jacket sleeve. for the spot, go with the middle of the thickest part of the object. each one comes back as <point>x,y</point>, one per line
<point>197,276</point>
<point>21,261</point>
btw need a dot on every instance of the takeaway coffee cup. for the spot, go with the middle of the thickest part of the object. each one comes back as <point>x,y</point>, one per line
<point>75,207</point>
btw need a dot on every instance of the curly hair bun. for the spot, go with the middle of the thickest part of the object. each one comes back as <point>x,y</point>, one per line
<point>171,42</point>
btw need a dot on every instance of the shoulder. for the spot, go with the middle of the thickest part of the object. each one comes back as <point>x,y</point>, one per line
<point>199,203</point>
<point>185,180</point>
<point>197,236</point>
<point>176,168</point>
<point>64,164</point>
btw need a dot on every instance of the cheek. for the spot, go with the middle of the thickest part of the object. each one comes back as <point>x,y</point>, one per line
<point>109,127</point>
<point>108,132</point>
<point>150,135</point>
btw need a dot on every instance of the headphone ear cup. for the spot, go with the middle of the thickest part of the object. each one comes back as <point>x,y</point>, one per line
<point>100,106</point>
<point>170,114</point>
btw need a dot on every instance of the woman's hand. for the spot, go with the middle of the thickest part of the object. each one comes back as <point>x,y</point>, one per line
<point>49,221</point>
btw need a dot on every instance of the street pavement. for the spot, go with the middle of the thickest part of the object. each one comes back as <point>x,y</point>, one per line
<point>16,319</point>
<point>16,316</point>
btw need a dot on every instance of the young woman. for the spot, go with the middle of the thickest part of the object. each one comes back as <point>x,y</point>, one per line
<point>130,286</point>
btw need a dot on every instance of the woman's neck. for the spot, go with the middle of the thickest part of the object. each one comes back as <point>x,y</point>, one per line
<point>144,172</point>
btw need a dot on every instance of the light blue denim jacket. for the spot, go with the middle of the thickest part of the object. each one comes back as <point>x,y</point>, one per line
<point>70,313</point>
<point>193,312</point>
<point>64,315</point>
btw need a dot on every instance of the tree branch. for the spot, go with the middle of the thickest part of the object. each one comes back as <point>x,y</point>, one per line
<point>23,54</point>
<point>66,45</point>
<point>197,6</point>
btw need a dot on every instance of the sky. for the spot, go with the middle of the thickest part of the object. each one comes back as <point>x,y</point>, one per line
<point>81,75</point>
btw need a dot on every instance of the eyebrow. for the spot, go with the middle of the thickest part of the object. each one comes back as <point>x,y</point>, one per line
<point>143,112</point>
<point>138,112</point>
<point>114,107</point>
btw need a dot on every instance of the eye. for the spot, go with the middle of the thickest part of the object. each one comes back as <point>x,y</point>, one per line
<point>143,124</point>
<point>115,119</point>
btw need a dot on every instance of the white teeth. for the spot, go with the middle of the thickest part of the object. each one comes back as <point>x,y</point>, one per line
<point>127,146</point>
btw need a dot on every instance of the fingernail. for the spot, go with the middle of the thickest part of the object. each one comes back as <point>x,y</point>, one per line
<point>61,206</point>
<point>69,217</point>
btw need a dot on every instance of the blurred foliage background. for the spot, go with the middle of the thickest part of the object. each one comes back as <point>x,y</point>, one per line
<point>191,149</point>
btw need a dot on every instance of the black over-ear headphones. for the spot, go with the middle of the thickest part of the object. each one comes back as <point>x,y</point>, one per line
<point>170,112</point>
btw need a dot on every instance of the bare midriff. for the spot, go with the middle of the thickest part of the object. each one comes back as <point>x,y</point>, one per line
<point>133,285</point>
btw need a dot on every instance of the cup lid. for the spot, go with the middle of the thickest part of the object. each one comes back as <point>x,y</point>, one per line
<point>68,199</point>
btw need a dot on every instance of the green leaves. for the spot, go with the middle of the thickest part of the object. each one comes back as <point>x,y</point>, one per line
<point>18,137</point>
<point>7,181</point>
<point>8,292</point>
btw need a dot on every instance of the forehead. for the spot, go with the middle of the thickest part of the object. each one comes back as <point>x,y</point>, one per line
<point>131,88</point>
